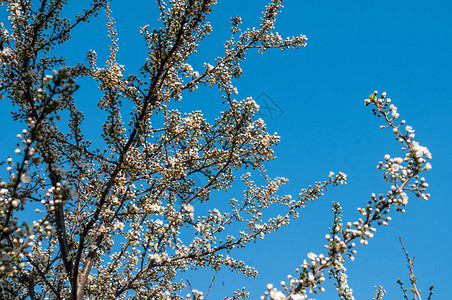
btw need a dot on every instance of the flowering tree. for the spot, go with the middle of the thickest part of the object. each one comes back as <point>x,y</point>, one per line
<point>124,221</point>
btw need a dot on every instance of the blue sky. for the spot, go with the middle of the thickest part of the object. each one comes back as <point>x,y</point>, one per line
<point>354,47</point>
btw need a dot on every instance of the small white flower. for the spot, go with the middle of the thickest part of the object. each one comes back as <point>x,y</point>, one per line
<point>25,178</point>
<point>404,197</point>
<point>277,295</point>
<point>312,256</point>
<point>188,208</point>
<point>398,160</point>
<point>395,167</point>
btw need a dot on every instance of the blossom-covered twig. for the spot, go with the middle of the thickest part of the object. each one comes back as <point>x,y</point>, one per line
<point>403,173</point>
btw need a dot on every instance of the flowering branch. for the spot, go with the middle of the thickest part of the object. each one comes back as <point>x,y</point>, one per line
<point>401,173</point>
<point>127,216</point>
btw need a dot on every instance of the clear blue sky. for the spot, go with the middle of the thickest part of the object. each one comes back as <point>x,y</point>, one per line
<point>355,47</point>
